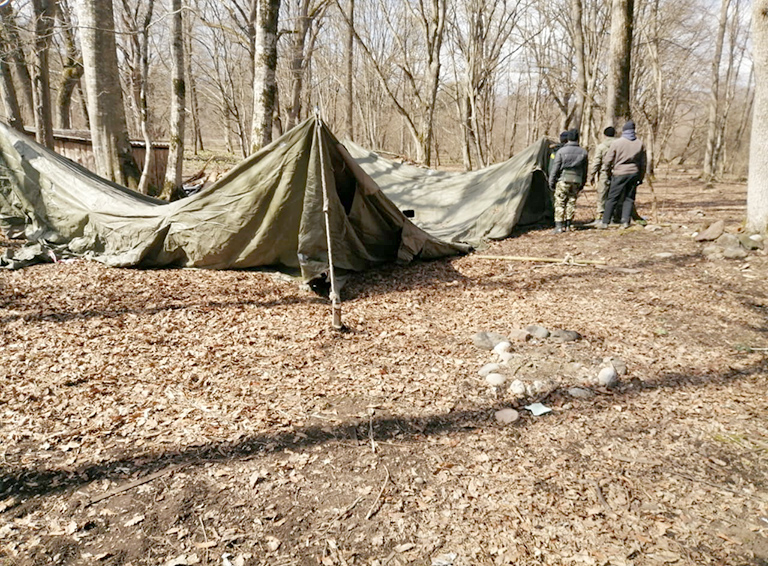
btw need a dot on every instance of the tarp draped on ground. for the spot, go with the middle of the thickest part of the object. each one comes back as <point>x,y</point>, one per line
<point>267,211</point>
<point>467,207</point>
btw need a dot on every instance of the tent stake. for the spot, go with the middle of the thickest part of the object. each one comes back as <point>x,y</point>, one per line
<point>335,306</point>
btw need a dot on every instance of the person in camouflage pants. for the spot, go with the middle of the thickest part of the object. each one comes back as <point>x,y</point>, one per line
<point>567,178</point>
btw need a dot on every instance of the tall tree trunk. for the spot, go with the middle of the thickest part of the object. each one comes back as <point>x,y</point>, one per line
<point>194,105</point>
<point>714,94</point>
<point>178,98</point>
<point>8,93</point>
<point>109,131</point>
<point>264,83</point>
<point>44,14</point>
<point>143,98</point>
<point>757,187</point>
<point>581,65</point>
<point>350,61</point>
<point>72,70</point>
<point>18,62</point>
<point>297,63</point>
<point>622,25</point>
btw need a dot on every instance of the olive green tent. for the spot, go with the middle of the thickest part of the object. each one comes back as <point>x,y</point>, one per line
<point>267,211</point>
<point>467,207</point>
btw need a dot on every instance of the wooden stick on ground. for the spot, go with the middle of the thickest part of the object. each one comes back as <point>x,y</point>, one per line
<point>566,260</point>
<point>131,485</point>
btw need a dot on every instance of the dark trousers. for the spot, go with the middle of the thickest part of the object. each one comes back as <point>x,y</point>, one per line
<point>621,195</point>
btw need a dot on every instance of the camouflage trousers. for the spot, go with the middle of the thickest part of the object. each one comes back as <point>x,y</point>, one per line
<point>565,200</point>
<point>601,188</point>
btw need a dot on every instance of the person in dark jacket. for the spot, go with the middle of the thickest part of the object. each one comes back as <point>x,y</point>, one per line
<point>556,148</point>
<point>567,178</point>
<point>624,165</point>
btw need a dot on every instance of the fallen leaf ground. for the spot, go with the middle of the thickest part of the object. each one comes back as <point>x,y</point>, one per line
<point>178,417</point>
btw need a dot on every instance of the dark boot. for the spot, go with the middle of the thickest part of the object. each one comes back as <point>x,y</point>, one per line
<point>568,226</point>
<point>559,228</point>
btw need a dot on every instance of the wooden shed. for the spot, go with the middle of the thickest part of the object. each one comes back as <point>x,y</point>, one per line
<point>76,145</point>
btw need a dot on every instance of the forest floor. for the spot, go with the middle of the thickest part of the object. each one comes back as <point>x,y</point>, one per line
<point>179,417</point>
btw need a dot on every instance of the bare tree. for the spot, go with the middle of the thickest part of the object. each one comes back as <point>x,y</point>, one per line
<point>72,67</point>
<point>9,34</point>
<point>109,132</point>
<point>350,67</point>
<point>8,89</point>
<point>714,95</point>
<point>178,98</point>
<point>44,19</point>
<point>757,188</point>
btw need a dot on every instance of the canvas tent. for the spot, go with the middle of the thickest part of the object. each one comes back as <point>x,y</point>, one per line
<point>467,207</point>
<point>267,211</point>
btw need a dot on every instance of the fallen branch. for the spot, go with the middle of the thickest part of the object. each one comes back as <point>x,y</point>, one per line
<point>375,503</point>
<point>566,260</point>
<point>130,485</point>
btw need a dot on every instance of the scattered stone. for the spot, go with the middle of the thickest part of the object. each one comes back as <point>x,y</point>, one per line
<point>495,379</point>
<point>487,340</point>
<point>712,250</point>
<point>488,368</point>
<point>537,331</point>
<point>506,416</point>
<point>664,255</point>
<point>505,357</point>
<point>561,336</point>
<point>748,243</point>
<point>728,241</point>
<point>538,409</point>
<point>653,227</point>
<point>712,232</point>
<point>517,387</point>
<point>735,253</point>
<point>580,393</point>
<point>502,347</point>
<point>607,377</point>
<point>520,335</point>
<point>619,365</point>
<point>757,237</point>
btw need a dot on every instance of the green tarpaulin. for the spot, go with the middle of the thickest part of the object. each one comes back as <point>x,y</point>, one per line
<point>467,207</point>
<point>267,211</point>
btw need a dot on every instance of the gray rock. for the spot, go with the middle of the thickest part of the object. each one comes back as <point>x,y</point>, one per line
<point>664,255</point>
<point>506,357</point>
<point>495,379</point>
<point>561,336</point>
<point>653,227</point>
<point>580,393</point>
<point>607,377</point>
<point>487,340</point>
<point>506,416</point>
<point>711,250</point>
<point>517,387</point>
<point>748,243</point>
<point>488,368</point>
<point>520,335</point>
<point>728,241</point>
<point>712,232</point>
<point>758,237</point>
<point>502,347</point>
<point>735,253</point>
<point>538,331</point>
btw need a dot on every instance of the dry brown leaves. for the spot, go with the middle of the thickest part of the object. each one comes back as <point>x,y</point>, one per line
<point>195,417</point>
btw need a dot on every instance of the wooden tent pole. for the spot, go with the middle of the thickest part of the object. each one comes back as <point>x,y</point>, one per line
<point>335,305</point>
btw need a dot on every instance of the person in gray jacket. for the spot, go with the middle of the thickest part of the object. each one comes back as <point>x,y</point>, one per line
<point>566,179</point>
<point>624,164</point>
<point>595,173</point>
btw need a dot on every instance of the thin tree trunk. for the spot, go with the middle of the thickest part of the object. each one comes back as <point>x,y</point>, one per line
<point>8,93</point>
<point>350,61</point>
<point>297,63</point>
<point>581,67</point>
<point>757,187</point>
<point>176,150</point>
<point>72,70</point>
<point>714,94</point>
<point>194,105</point>
<point>44,17</point>
<point>622,24</point>
<point>264,83</point>
<point>143,103</point>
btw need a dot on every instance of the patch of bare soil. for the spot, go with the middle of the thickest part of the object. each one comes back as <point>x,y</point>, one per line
<point>198,417</point>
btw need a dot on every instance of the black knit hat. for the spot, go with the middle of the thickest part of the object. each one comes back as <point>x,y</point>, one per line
<point>573,135</point>
<point>610,131</point>
<point>563,137</point>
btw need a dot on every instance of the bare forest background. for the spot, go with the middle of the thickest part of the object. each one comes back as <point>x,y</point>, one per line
<point>446,83</point>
